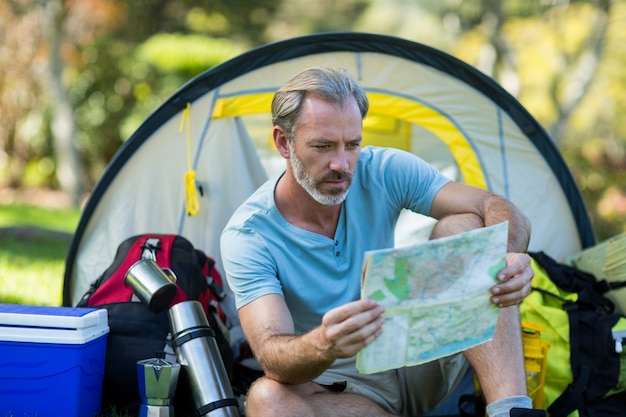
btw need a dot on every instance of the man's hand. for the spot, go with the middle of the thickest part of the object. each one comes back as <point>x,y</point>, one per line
<point>515,281</point>
<point>349,328</point>
<point>294,359</point>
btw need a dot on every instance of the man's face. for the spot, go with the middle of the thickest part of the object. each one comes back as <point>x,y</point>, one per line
<point>326,148</point>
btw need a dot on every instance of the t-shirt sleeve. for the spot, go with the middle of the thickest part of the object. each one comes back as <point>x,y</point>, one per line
<point>250,270</point>
<point>411,182</point>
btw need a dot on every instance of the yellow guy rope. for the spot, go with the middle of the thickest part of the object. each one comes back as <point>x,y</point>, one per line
<point>192,205</point>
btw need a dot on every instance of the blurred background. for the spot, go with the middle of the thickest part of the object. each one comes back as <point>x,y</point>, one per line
<point>77,77</point>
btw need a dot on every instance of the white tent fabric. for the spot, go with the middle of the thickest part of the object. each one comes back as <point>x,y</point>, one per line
<point>421,100</point>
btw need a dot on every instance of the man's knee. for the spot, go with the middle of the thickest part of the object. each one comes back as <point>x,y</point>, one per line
<point>263,391</point>
<point>269,397</point>
<point>455,224</point>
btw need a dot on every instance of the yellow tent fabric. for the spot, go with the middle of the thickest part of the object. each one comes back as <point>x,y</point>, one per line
<point>386,125</point>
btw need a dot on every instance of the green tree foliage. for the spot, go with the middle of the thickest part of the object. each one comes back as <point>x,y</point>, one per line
<point>596,138</point>
<point>152,49</point>
<point>23,116</point>
<point>120,60</point>
<point>564,62</point>
<point>301,17</point>
<point>187,55</point>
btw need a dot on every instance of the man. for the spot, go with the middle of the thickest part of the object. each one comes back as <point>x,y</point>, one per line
<point>293,252</point>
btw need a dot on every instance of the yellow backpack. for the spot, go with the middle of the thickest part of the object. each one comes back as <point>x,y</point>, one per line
<point>585,372</point>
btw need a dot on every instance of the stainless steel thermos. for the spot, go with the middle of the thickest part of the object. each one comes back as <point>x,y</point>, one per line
<point>197,352</point>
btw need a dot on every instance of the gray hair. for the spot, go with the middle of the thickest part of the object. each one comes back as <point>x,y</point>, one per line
<point>331,85</point>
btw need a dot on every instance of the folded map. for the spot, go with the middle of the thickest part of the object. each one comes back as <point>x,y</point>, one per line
<point>436,297</point>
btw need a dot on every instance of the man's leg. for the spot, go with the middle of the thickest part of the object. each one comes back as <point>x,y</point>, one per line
<point>267,397</point>
<point>499,363</point>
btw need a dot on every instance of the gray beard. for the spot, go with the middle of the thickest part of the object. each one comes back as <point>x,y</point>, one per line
<point>308,183</point>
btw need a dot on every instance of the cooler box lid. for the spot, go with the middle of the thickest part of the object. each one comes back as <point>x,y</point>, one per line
<point>47,324</point>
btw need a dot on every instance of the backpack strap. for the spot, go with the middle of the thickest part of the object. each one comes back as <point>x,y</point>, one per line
<point>573,397</point>
<point>568,278</point>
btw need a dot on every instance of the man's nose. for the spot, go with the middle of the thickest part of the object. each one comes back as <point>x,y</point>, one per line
<point>339,162</point>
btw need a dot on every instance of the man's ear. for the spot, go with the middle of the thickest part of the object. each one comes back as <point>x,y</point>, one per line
<point>281,141</point>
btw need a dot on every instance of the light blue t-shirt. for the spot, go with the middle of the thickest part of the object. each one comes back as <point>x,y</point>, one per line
<point>264,254</point>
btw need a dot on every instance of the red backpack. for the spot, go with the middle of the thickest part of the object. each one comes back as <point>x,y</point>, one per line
<point>136,332</point>
<point>197,279</point>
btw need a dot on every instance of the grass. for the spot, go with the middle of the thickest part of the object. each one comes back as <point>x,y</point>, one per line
<point>34,242</point>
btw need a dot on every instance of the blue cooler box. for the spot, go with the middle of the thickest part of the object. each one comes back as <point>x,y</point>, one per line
<point>51,360</point>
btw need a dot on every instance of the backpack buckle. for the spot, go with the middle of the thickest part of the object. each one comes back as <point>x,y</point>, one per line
<point>150,247</point>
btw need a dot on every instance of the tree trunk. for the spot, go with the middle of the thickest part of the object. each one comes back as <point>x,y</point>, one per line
<point>580,76</point>
<point>69,169</point>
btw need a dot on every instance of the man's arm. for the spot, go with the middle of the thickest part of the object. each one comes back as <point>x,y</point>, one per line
<point>458,198</point>
<point>516,277</point>
<point>294,359</point>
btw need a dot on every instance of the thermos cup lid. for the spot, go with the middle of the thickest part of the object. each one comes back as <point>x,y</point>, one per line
<point>187,315</point>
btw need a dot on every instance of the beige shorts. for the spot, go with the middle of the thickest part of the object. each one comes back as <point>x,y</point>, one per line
<point>411,391</point>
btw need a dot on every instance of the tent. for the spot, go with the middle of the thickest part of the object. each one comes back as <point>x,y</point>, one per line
<point>218,125</point>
